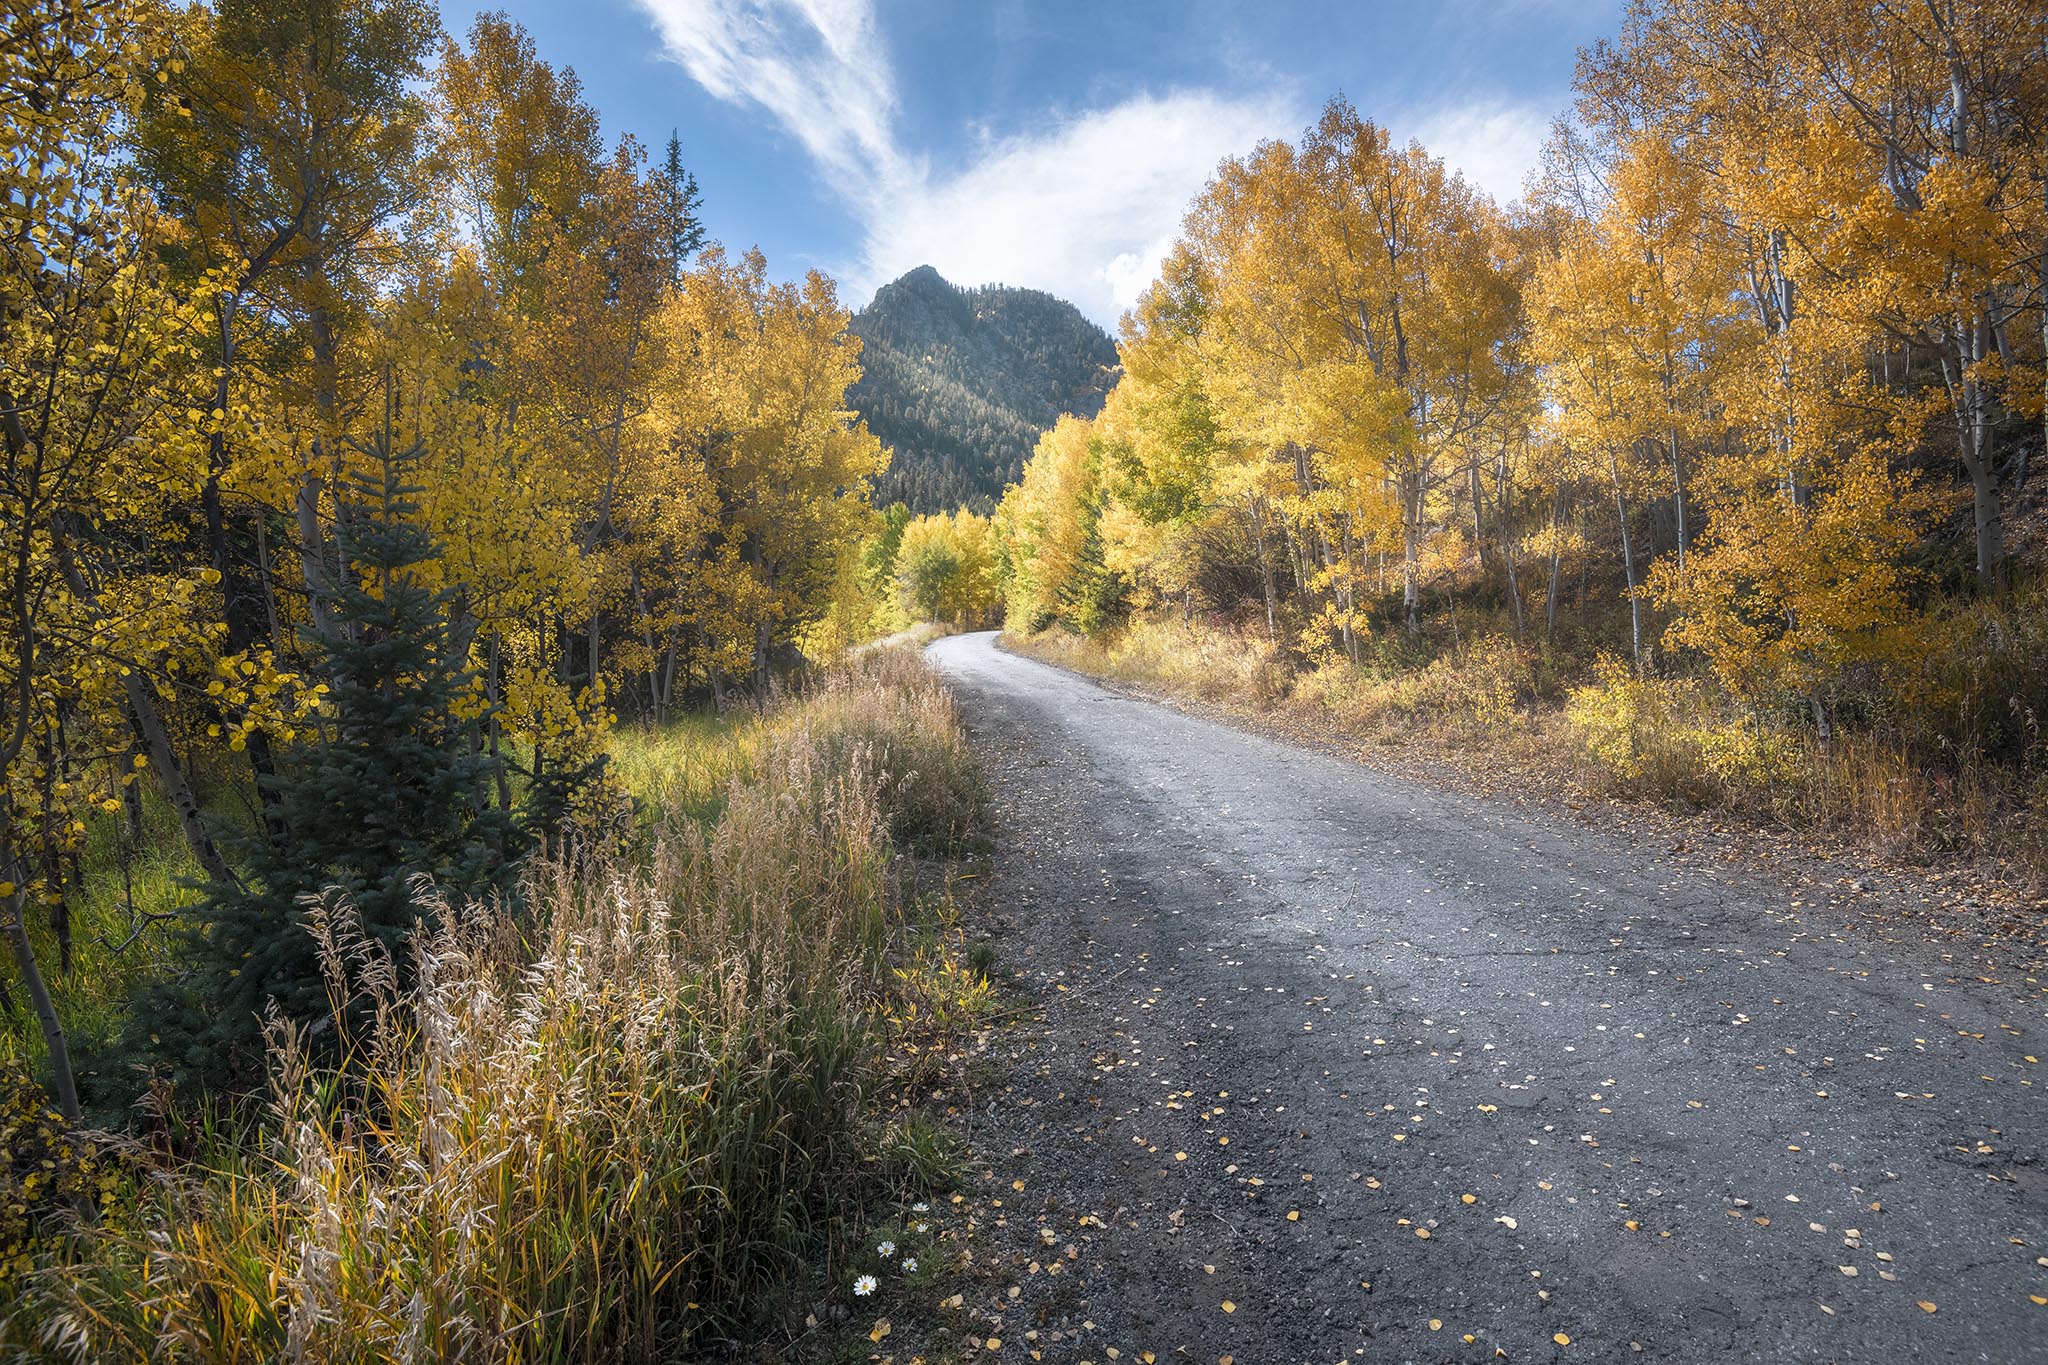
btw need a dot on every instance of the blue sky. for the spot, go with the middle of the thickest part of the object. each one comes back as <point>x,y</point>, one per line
<point>1045,144</point>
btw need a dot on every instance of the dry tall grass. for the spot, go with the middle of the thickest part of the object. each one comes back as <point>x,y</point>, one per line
<point>603,1124</point>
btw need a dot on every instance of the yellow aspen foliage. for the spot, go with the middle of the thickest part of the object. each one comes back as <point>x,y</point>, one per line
<point>1047,527</point>
<point>945,568</point>
<point>98,629</point>
<point>750,407</point>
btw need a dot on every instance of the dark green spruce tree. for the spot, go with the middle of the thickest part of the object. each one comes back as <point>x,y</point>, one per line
<point>682,208</point>
<point>384,789</point>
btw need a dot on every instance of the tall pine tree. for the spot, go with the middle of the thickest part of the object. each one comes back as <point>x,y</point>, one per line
<point>683,207</point>
<point>386,790</point>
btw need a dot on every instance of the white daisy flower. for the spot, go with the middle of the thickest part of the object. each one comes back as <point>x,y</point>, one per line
<point>920,1207</point>
<point>923,1226</point>
<point>910,1265</point>
<point>886,1248</point>
<point>864,1286</point>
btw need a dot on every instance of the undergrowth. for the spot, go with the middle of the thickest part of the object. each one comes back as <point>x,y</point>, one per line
<point>1943,759</point>
<point>630,1113</point>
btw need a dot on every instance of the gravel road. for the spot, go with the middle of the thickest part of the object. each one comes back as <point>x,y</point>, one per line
<point>1339,1066</point>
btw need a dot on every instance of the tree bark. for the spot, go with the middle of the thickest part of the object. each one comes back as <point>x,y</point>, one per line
<point>190,821</point>
<point>1411,555</point>
<point>1628,561</point>
<point>1507,559</point>
<point>1678,495</point>
<point>493,655</point>
<point>1972,407</point>
<point>1349,595</point>
<point>157,742</point>
<point>1556,566</point>
<point>63,1079</point>
<point>313,565</point>
<point>1265,569</point>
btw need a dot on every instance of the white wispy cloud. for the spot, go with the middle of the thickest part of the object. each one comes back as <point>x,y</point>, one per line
<point>817,67</point>
<point>1495,144</point>
<point>1083,204</point>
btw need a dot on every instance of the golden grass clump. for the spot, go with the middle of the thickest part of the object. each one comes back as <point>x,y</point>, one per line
<point>603,1123</point>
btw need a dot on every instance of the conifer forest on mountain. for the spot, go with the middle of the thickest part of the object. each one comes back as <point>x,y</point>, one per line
<point>1506,817</point>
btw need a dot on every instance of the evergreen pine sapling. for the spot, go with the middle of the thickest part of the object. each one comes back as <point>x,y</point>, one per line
<point>385,792</point>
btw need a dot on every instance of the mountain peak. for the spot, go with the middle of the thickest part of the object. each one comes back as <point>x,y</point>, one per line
<point>921,277</point>
<point>960,381</point>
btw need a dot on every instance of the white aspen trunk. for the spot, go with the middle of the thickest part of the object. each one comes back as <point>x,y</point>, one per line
<point>1476,491</point>
<point>63,1079</point>
<point>158,743</point>
<point>313,553</point>
<point>1556,566</point>
<point>1411,553</point>
<point>1678,495</point>
<point>1628,563</point>
<point>1981,462</point>
<point>493,657</point>
<point>1349,592</point>
<point>1411,583</point>
<point>1502,520</point>
<point>1978,458</point>
<point>668,679</point>
<point>1265,569</point>
<point>1971,407</point>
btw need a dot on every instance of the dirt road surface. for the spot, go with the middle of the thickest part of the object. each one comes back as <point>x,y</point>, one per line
<point>1338,1066</point>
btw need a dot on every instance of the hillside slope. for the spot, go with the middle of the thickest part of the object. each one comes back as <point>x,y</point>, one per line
<point>959,382</point>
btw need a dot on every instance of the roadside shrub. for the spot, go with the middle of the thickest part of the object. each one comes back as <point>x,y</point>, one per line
<point>1620,717</point>
<point>1982,688</point>
<point>48,1173</point>
<point>1747,756</point>
<point>1480,689</point>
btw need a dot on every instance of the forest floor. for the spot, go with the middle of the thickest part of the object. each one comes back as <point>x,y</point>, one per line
<point>1329,1063</point>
